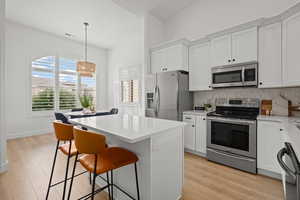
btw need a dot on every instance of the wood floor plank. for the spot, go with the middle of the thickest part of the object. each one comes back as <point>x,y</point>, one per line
<point>30,162</point>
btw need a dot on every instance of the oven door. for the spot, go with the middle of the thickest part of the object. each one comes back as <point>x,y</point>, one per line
<point>227,76</point>
<point>232,136</point>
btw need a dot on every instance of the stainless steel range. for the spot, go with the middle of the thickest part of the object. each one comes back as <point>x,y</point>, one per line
<point>231,133</point>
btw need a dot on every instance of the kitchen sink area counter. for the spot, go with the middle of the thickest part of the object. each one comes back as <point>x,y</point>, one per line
<point>159,145</point>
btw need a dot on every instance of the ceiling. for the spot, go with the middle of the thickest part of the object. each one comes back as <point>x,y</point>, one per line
<point>109,23</point>
<point>162,9</point>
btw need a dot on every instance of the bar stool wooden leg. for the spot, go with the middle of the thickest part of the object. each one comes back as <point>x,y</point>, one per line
<point>67,170</point>
<point>52,170</point>
<point>137,182</point>
<point>94,178</point>
<point>107,177</point>
<point>72,178</point>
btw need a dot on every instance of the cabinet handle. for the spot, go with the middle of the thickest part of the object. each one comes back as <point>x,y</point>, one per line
<point>281,129</point>
<point>229,61</point>
<point>193,126</point>
<point>209,86</point>
<point>204,119</point>
<point>260,83</point>
<point>233,60</point>
<point>188,118</point>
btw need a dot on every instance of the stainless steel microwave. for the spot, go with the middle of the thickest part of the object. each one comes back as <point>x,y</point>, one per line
<point>238,75</point>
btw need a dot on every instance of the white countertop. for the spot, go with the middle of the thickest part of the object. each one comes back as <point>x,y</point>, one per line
<point>289,126</point>
<point>196,112</point>
<point>129,128</point>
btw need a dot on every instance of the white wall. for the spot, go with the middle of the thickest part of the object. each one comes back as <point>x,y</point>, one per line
<point>23,44</point>
<point>209,16</point>
<point>3,160</point>
<point>128,53</point>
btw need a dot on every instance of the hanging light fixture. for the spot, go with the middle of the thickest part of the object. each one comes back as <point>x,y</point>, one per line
<point>85,68</point>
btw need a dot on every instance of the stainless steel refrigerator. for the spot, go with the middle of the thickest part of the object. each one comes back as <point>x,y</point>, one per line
<point>170,96</point>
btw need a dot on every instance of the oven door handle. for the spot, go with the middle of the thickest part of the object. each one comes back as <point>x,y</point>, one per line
<point>280,155</point>
<point>236,121</point>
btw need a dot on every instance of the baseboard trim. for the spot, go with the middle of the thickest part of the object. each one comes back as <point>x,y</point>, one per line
<point>195,153</point>
<point>269,174</point>
<point>4,167</point>
<point>14,135</point>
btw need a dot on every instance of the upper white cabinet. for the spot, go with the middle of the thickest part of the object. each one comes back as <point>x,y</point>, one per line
<point>244,46</point>
<point>290,51</point>
<point>270,62</point>
<point>221,50</point>
<point>268,144</point>
<point>170,58</point>
<point>158,60</point>
<point>234,48</point>
<point>199,67</point>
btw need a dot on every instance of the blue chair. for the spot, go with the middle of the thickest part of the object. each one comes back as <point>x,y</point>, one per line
<point>77,109</point>
<point>61,117</point>
<point>114,111</point>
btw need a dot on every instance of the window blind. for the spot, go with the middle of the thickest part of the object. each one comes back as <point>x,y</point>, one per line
<point>68,96</point>
<point>42,88</point>
<point>130,91</point>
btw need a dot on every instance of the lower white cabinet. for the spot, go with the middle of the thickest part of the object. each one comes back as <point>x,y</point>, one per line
<point>201,134</point>
<point>269,142</point>
<point>189,132</point>
<point>195,133</point>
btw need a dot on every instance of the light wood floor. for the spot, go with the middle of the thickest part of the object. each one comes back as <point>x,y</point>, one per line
<point>30,161</point>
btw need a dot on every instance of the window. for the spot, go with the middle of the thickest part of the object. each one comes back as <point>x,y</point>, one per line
<point>67,84</point>
<point>57,86</point>
<point>130,91</point>
<point>43,84</point>
<point>88,87</point>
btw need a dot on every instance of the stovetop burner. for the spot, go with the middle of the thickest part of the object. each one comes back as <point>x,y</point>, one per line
<point>236,108</point>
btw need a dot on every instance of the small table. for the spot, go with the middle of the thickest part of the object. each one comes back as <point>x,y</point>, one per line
<point>81,114</point>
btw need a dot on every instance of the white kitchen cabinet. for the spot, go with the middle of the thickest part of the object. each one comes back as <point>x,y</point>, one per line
<point>158,60</point>
<point>290,50</point>
<point>221,50</point>
<point>244,46</point>
<point>268,144</point>
<point>189,132</point>
<point>270,62</point>
<point>201,134</point>
<point>199,67</point>
<point>235,48</point>
<point>169,58</point>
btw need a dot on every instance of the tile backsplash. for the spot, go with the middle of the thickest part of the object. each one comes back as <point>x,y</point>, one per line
<point>202,97</point>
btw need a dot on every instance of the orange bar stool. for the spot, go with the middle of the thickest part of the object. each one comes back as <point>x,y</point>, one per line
<point>99,159</point>
<point>63,132</point>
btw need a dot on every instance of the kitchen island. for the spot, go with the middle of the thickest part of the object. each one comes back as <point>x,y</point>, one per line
<point>158,144</point>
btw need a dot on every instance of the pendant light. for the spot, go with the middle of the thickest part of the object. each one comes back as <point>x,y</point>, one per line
<point>85,68</point>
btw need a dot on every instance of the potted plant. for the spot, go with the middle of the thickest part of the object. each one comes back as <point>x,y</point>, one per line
<point>87,103</point>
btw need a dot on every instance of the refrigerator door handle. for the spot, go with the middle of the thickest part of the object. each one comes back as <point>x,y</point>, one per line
<point>158,100</point>
<point>155,100</point>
